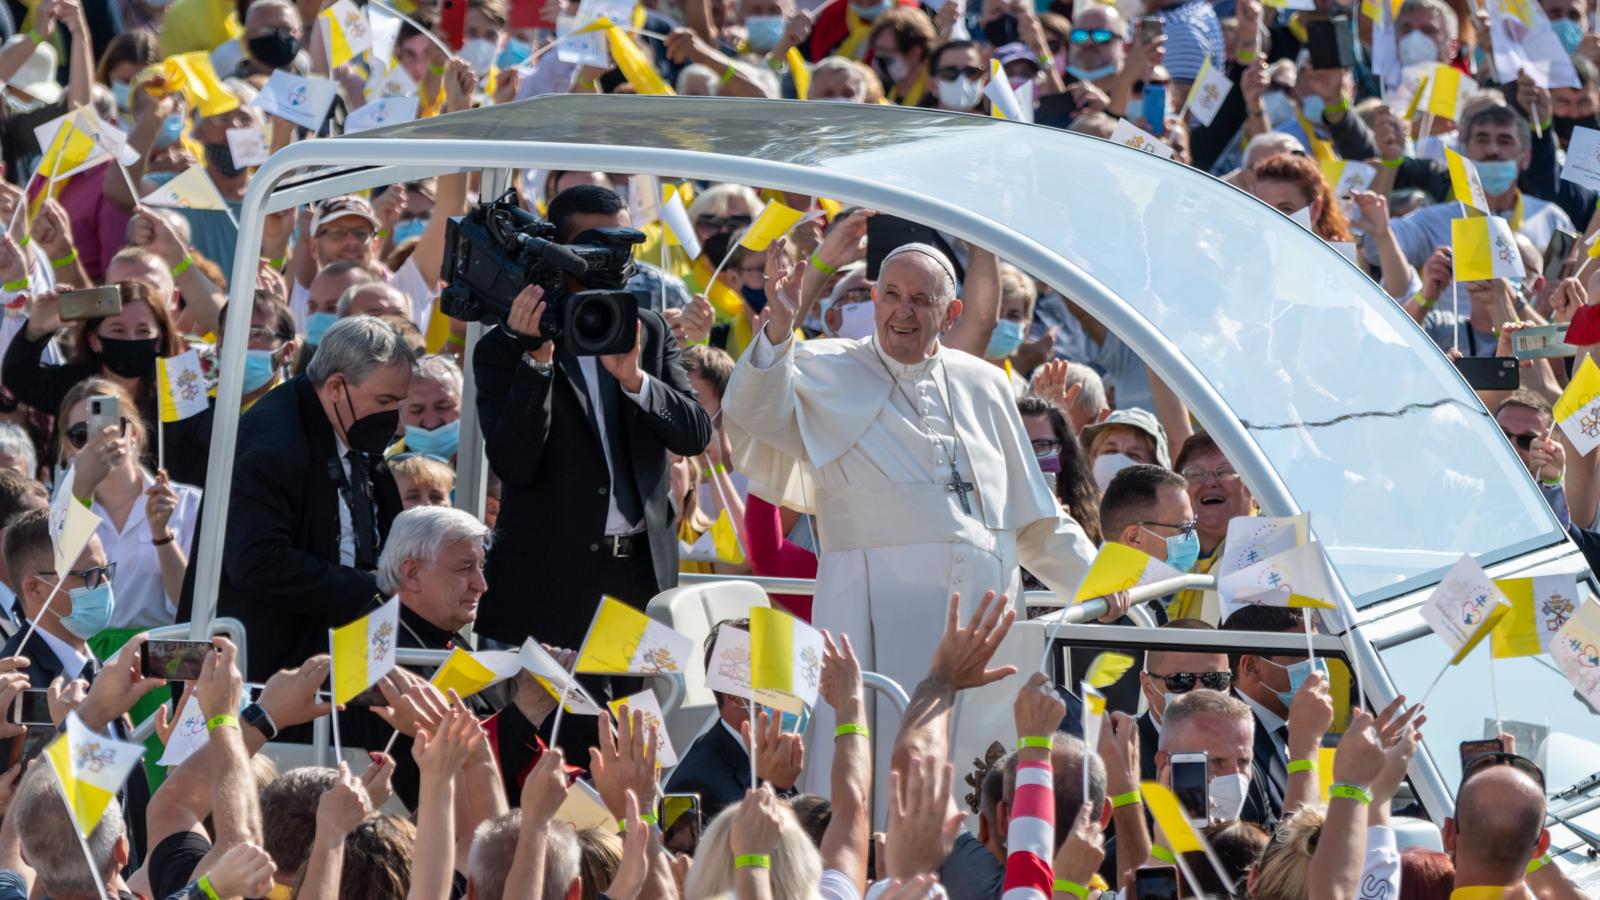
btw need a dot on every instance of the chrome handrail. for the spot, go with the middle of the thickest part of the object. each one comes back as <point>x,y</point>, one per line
<point>771,585</point>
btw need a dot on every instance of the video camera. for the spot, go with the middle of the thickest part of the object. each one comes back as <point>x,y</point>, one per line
<point>497,249</point>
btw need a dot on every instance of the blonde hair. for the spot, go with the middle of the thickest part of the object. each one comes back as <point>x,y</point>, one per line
<point>1286,862</point>
<point>425,473</point>
<point>715,200</point>
<point>126,407</point>
<point>796,864</point>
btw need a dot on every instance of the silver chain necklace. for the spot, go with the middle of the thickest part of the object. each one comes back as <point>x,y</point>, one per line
<point>955,485</point>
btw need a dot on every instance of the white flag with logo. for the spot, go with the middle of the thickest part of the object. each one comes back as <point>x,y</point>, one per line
<point>383,111</point>
<point>293,98</point>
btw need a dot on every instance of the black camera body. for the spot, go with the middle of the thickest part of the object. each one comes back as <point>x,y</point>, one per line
<point>499,248</point>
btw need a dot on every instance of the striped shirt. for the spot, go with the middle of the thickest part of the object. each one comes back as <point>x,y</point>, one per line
<point>1031,840</point>
<point>1193,33</point>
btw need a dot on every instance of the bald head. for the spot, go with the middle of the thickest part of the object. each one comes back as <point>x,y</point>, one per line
<point>1499,822</point>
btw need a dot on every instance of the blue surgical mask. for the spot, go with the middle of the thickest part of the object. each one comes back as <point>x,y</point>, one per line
<point>1092,74</point>
<point>1183,550</point>
<point>1313,107</point>
<point>1298,673</point>
<point>764,32</point>
<point>514,53</point>
<point>171,130</point>
<point>1569,33</point>
<point>872,12</point>
<point>123,91</point>
<point>406,229</point>
<point>317,324</point>
<point>1279,107</point>
<point>91,610</point>
<point>1005,340</point>
<point>440,442</point>
<point>1497,175</point>
<point>260,367</point>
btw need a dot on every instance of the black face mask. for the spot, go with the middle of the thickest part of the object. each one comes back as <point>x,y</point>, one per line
<point>1563,126</point>
<point>221,156</point>
<point>128,358</point>
<point>277,48</point>
<point>373,432</point>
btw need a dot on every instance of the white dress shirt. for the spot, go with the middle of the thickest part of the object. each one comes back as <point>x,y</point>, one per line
<point>347,531</point>
<point>1271,722</point>
<point>616,522</point>
<point>72,662</point>
<point>140,593</point>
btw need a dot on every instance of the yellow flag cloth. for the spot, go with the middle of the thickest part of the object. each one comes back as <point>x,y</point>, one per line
<point>91,769</point>
<point>1325,770</point>
<point>364,651</point>
<point>1416,98</point>
<point>70,148</point>
<point>197,79</point>
<point>181,386</point>
<point>1445,93</point>
<point>800,72</point>
<point>1107,669</point>
<point>1175,827</point>
<point>1118,567</point>
<point>774,222</point>
<point>623,640</point>
<point>631,60</point>
<point>1464,181</point>
<point>1540,606</point>
<point>785,660</point>
<point>1484,249</point>
<point>726,540</point>
<point>463,674</point>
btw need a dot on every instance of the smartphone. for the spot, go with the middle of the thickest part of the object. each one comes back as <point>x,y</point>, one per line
<point>32,708</point>
<point>1155,107</point>
<point>91,303</point>
<point>25,746</point>
<point>1490,373</point>
<point>1328,41</point>
<point>173,660</point>
<point>1556,253</point>
<point>1150,28</point>
<point>679,817</point>
<point>886,232</point>
<point>1001,31</point>
<point>103,413</point>
<point>1155,883</point>
<point>1471,750</point>
<point>1541,342</point>
<point>453,22</point>
<point>1191,784</point>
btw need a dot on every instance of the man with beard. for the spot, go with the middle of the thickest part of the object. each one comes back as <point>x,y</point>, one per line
<point>1218,495</point>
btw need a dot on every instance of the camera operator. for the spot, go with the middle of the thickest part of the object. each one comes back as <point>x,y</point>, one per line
<point>580,444</point>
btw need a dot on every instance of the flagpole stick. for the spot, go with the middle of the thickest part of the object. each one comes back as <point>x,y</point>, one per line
<point>1455,309</point>
<point>1311,650</point>
<point>664,230</point>
<point>333,706</point>
<point>99,880</point>
<point>161,441</point>
<point>390,746</point>
<point>133,192</point>
<point>561,708</point>
<point>1494,694</point>
<point>427,33</point>
<point>33,624</point>
<point>754,723</point>
<point>1438,678</point>
<point>722,498</point>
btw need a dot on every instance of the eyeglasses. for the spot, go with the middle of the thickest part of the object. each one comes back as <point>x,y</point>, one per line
<point>92,578</point>
<point>339,234</point>
<point>1524,442</point>
<point>722,223</point>
<point>1220,473</point>
<point>1081,36</point>
<point>1046,445</point>
<point>78,433</point>
<point>1500,758</point>
<point>1184,682</point>
<point>951,73</point>
<point>1185,529</point>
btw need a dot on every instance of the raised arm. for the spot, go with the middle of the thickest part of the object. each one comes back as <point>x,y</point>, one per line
<point>1310,716</point>
<point>543,792</point>
<point>980,303</point>
<point>1031,838</point>
<point>1335,872</point>
<point>440,755</point>
<point>846,840</point>
<point>961,661</point>
<point>1119,749</point>
<point>1374,209</point>
<point>341,808</point>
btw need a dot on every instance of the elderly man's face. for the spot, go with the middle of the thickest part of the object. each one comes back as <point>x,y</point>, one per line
<point>1430,23</point>
<point>1228,744</point>
<point>430,404</point>
<point>911,310</point>
<point>375,300</point>
<point>327,288</point>
<point>447,592</point>
<point>1100,40</point>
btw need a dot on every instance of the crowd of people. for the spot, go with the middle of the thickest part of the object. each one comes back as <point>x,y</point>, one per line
<point>925,437</point>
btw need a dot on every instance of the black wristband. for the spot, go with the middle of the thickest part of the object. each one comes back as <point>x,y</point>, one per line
<point>256,717</point>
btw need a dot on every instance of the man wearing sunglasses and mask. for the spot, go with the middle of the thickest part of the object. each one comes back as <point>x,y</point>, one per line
<point>1526,420</point>
<point>77,612</point>
<point>1168,675</point>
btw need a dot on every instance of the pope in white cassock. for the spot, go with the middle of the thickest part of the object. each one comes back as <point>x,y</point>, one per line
<point>916,464</point>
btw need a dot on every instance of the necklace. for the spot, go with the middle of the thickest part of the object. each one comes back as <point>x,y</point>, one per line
<point>955,485</point>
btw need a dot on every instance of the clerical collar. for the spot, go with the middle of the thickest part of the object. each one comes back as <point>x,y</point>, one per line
<point>427,635</point>
<point>905,370</point>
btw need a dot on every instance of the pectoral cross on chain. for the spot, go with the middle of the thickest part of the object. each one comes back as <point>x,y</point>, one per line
<point>958,487</point>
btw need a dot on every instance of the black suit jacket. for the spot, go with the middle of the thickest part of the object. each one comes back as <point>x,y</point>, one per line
<point>717,767</point>
<point>43,666</point>
<point>281,575</point>
<point>1149,743</point>
<point>1263,802</point>
<point>540,434</point>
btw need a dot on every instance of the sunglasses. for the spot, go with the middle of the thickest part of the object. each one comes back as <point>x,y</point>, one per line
<point>92,578</point>
<point>1524,442</point>
<point>723,223</point>
<point>78,433</point>
<point>1184,682</point>
<point>1501,758</point>
<point>1081,36</point>
<point>951,73</point>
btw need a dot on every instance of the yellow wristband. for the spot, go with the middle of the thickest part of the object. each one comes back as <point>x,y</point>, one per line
<point>1128,799</point>
<point>646,818</point>
<point>752,861</point>
<point>1537,863</point>
<point>1163,854</point>
<point>727,74</point>
<point>65,261</point>
<point>1063,886</point>
<point>1302,765</point>
<point>183,265</point>
<point>1035,742</point>
<point>35,36</point>
<point>204,885</point>
<point>852,728</point>
<point>1350,792</point>
<point>215,722</point>
<point>21,284</point>
<point>820,266</point>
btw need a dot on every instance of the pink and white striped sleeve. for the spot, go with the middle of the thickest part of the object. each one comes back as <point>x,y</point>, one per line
<point>1031,840</point>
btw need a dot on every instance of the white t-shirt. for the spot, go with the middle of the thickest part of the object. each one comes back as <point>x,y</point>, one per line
<point>141,595</point>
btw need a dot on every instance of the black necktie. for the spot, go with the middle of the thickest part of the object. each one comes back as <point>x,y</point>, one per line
<point>623,488</point>
<point>362,519</point>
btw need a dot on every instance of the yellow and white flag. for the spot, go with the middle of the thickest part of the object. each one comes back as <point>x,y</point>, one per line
<point>644,200</point>
<point>383,27</point>
<point>1094,711</point>
<point>1003,103</point>
<point>1576,651</point>
<point>181,386</point>
<point>189,189</point>
<point>297,99</point>
<point>1540,607</point>
<point>1484,249</point>
<point>364,650</point>
<point>69,144</point>
<point>382,111</point>
<point>774,222</point>
<point>1465,608</point>
<point>71,526</point>
<point>395,82</point>
<point>557,680</point>
<point>195,77</point>
<point>728,671</point>
<point>345,33</point>
<point>1296,578</point>
<point>680,230</point>
<point>1252,539</point>
<point>785,660</point>
<point>1130,135</point>
<point>1208,92</point>
<point>91,769</point>
<point>1578,409</point>
<point>1464,181</point>
<point>645,702</point>
<point>1118,567</point>
<point>1444,91</point>
<point>625,641</point>
<point>468,673</point>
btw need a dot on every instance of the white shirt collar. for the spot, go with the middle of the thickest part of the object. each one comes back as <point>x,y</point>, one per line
<point>737,737</point>
<point>1270,721</point>
<point>72,662</point>
<point>906,370</point>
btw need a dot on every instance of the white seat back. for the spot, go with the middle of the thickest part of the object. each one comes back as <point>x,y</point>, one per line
<point>693,610</point>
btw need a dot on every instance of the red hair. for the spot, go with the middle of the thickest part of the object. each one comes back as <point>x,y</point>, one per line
<point>1306,175</point>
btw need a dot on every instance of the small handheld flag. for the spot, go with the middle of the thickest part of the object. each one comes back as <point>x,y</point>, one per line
<point>345,33</point>
<point>624,641</point>
<point>1463,610</point>
<point>1578,409</point>
<point>559,682</point>
<point>364,651</point>
<point>1484,248</point>
<point>785,660</point>
<point>189,189</point>
<point>774,222</point>
<point>181,385</point>
<point>1118,567</point>
<point>645,702</point>
<point>1464,181</point>
<point>1576,651</point>
<point>1540,607</point>
<point>468,673</point>
<point>91,769</point>
<point>1003,102</point>
<point>675,216</point>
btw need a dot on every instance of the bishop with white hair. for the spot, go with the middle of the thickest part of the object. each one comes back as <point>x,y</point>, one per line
<point>914,460</point>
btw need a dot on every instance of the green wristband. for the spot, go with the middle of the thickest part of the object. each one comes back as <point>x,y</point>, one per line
<point>278,263</point>
<point>1128,799</point>
<point>65,261</point>
<point>1035,742</point>
<point>204,884</point>
<point>183,265</point>
<point>1342,106</point>
<point>727,74</point>
<point>1393,163</point>
<point>1350,792</point>
<point>215,722</point>
<point>437,70</point>
<point>821,266</point>
<point>1163,854</point>
<point>28,238</point>
<point>21,284</point>
<point>752,861</point>
<point>35,36</point>
<point>1302,765</point>
<point>1063,886</point>
<point>646,818</point>
<point>852,728</point>
<point>1537,863</point>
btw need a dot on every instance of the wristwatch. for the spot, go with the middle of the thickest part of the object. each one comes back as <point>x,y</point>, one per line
<point>257,718</point>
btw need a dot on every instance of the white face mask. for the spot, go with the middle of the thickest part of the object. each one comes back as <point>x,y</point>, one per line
<point>1227,796</point>
<point>856,321</point>
<point>1417,47</point>
<point>479,53</point>
<point>961,94</point>
<point>1106,468</point>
